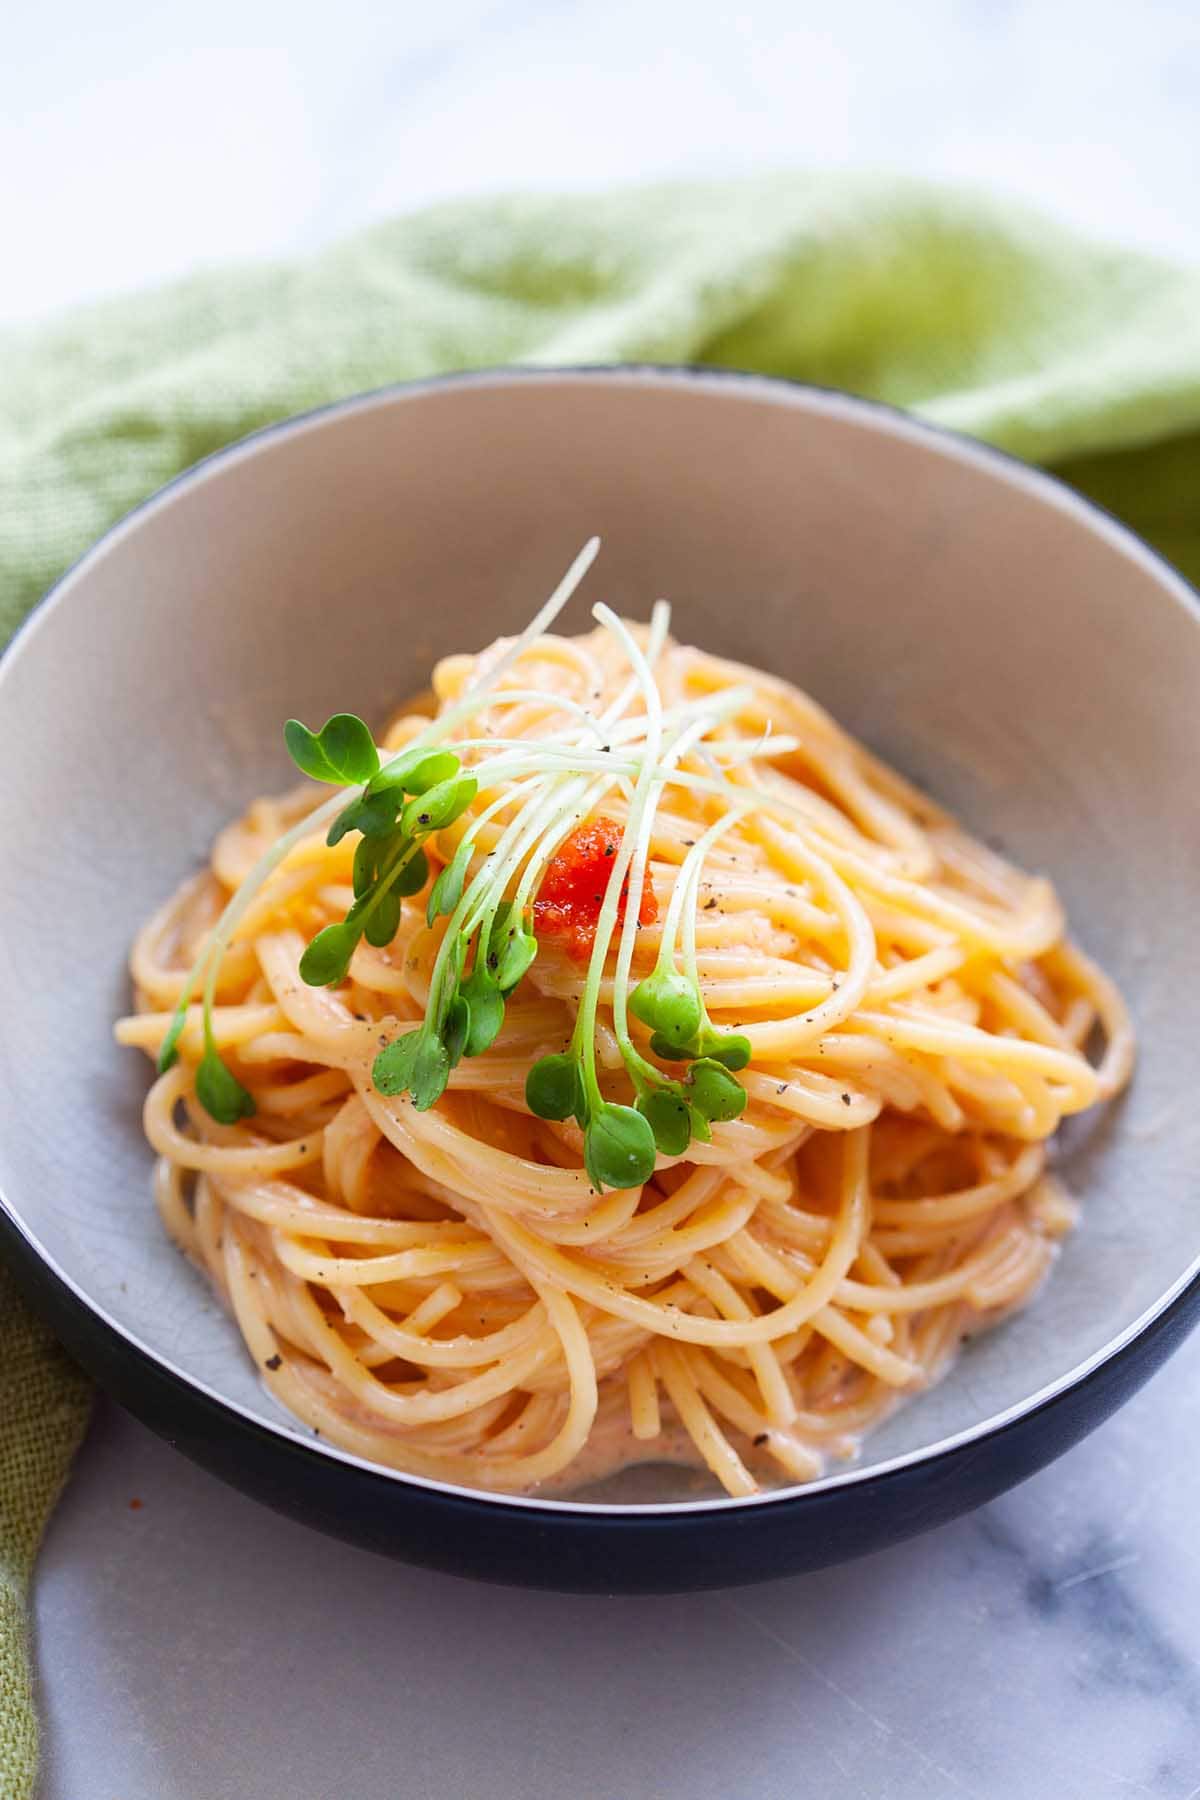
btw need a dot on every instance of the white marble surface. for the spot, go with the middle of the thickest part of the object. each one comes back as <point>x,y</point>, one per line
<point>199,1649</point>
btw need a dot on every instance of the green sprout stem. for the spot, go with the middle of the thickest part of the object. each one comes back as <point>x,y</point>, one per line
<point>620,1143</point>
<point>681,914</point>
<point>644,790</point>
<point>665,961</point>
<point>398,861</point>
<point>674,1112</point>
<point>691,906</point>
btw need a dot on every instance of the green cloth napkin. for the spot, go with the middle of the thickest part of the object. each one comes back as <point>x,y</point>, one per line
<point>43,1408</point>
<point>972,312</point>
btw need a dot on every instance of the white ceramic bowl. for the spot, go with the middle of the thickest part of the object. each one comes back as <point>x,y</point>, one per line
<point>993,635</point>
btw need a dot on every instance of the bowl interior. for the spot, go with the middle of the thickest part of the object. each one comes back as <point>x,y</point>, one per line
<point>998,641</point>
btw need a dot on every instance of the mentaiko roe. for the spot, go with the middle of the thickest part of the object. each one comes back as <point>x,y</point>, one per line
<point>573,888</point>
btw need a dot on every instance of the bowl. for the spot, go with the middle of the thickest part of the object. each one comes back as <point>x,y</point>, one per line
<point>982,627</point>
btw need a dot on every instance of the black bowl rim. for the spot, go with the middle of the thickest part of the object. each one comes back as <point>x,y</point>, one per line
<point>57,1291</point>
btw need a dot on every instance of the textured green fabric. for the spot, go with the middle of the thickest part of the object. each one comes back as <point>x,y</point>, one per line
<point>43,1409</point>
<point>974,313</point>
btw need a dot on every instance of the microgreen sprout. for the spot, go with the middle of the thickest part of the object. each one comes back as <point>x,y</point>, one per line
<point>534,793</point>
<point>621,1143</point>
<point>671,1002</point>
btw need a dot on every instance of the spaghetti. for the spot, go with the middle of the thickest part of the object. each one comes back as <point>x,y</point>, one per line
<point>447,1289</point>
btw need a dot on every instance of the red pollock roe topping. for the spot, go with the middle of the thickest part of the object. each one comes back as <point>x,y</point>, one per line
<point>573,888</point>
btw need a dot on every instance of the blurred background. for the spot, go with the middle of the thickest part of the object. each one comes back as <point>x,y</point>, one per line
<point>141,140</point>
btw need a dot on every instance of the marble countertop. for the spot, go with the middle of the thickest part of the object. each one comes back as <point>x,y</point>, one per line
<point>1046,1648</point>
<point>194,1647</point>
